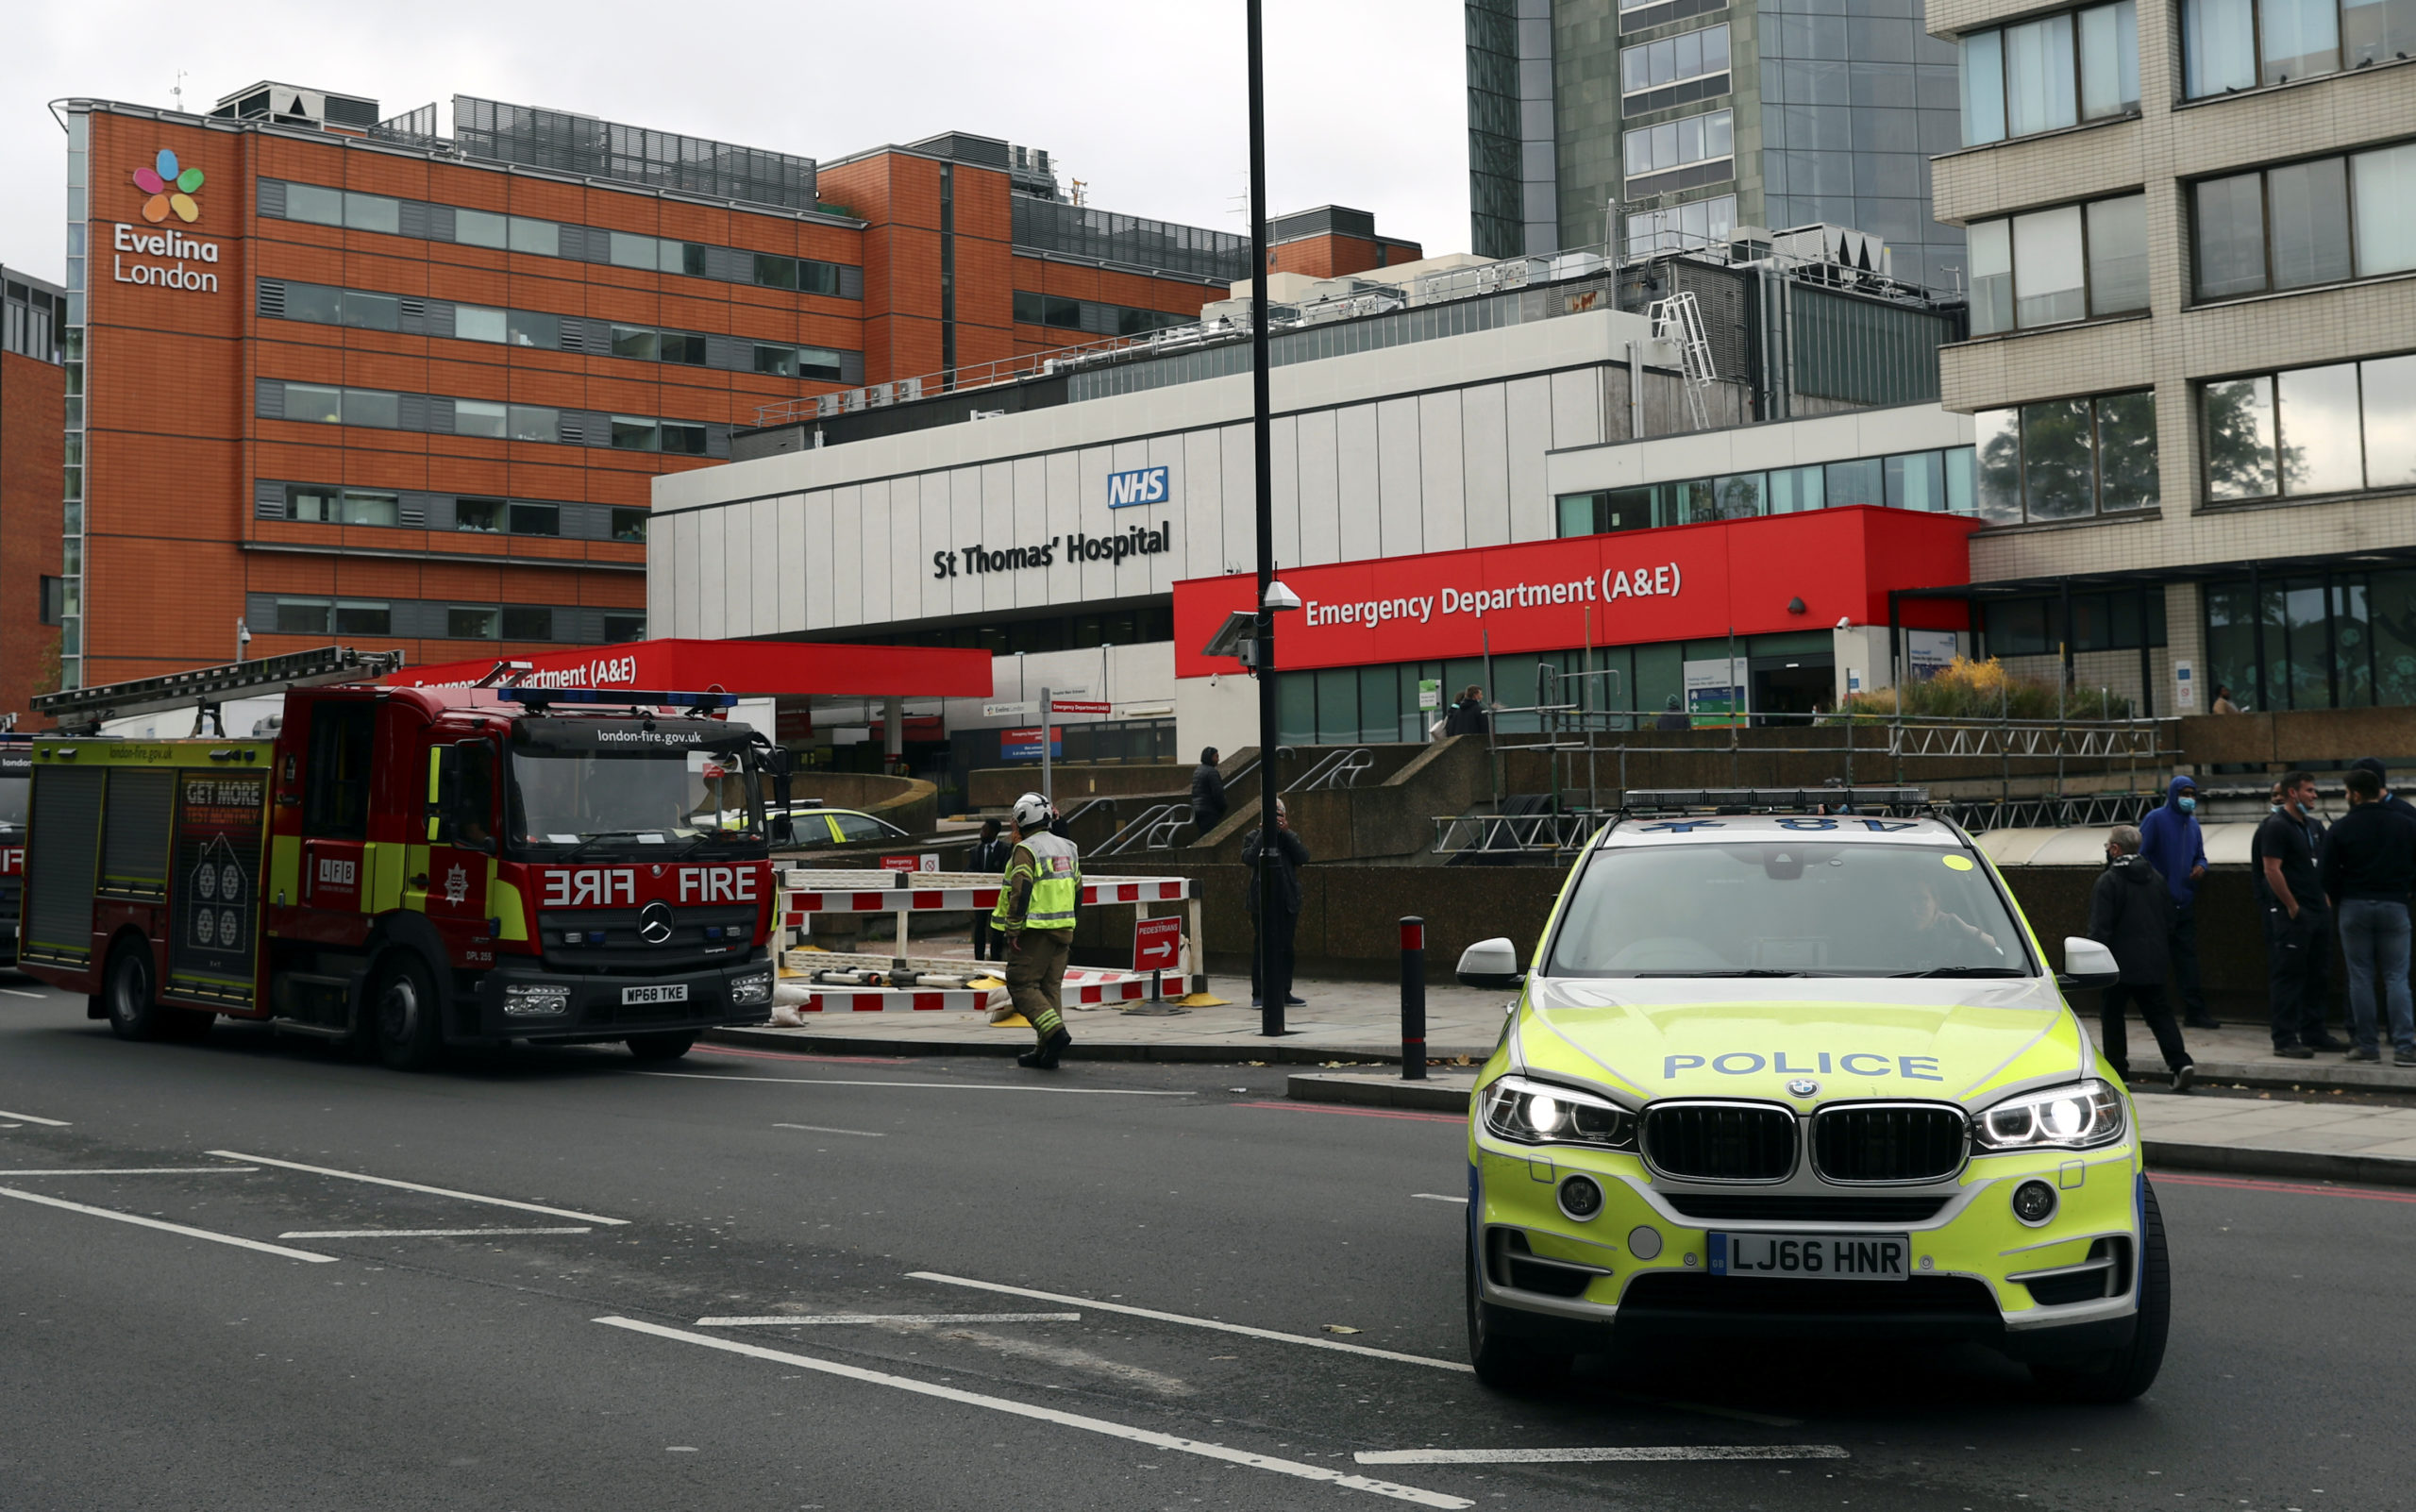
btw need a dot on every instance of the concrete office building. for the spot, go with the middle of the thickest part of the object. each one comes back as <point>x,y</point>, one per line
<point>33,404</point>
<point>2192,367</point>
<point>344,376</point>
<point>1687,118</point>
<point>1461,427</point>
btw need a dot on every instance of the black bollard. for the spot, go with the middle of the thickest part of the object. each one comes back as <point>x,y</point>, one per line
<point>1412,999</point>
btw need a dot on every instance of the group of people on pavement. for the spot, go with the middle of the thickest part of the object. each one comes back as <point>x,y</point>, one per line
<point>2354,879</point>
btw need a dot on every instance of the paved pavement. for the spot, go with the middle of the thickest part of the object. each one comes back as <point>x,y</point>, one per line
<point>252,1274</point>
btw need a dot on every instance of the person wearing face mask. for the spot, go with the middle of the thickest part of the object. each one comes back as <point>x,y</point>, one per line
<point>2170,841</point>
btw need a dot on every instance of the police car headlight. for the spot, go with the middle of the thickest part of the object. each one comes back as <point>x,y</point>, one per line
<point>1541,1112</point>
<point>2078,1116</point>
<point>748,992</point>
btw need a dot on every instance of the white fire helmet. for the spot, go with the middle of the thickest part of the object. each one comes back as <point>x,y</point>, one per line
<point>1032,813</point>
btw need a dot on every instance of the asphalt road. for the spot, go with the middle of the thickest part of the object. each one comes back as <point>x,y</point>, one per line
<point>323,1367</point>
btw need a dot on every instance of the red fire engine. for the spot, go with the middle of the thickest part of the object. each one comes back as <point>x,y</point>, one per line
<point>407,869</point>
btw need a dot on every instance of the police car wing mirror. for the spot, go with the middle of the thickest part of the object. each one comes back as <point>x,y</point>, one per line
<point>2087,964</point>
<point>1489,964</point>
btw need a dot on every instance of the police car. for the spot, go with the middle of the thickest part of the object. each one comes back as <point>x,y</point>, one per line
<point>1790,1074</point>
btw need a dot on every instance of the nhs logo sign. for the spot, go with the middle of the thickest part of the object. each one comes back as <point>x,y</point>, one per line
<point>1146,485</point>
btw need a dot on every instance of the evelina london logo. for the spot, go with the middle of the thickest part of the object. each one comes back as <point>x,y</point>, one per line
<point>170,189</point>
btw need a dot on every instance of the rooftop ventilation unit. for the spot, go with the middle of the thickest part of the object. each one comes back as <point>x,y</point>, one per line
<point>287,104</point>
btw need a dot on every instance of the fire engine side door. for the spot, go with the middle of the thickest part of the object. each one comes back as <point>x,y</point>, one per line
<point>461,827</point>
<point>336,796</point>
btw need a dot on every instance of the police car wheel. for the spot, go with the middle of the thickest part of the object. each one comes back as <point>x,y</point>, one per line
<point>659,1047</point>
<point>127,993</point>
<point>1505,1364</point>
<point>2124,1373</point>
<point>404,1009</point>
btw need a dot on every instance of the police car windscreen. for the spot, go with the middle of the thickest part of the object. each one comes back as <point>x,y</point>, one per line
<point>675,792</point>
<point>1780,908</point>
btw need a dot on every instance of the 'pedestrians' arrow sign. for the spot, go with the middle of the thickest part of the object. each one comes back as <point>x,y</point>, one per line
<point>1156,943</point>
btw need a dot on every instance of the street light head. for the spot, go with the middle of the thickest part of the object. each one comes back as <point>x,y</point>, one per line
<point>1280,598</point>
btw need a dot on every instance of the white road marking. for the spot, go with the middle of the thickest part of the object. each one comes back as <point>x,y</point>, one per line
<point>1438,1197</point>
<point>414,1186</point>
<point>137,1171</point>
<point>27,1118</point>
<point>172,1228</point>
<point>1064,1420</point>
<point>415,1234</point>
<point>816,1128</point>
<point>932,1086</point>
<point>1590,1457</point>
<point>1191,1323</point>
<point>898,1317</point>
<point>19,992</point>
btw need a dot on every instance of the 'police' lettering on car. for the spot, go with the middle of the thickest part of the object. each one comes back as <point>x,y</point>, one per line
<point>1854,1063</point>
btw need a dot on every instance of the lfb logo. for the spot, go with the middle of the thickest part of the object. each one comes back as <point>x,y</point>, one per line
<point>1146,485</point>
<point>171,188</point>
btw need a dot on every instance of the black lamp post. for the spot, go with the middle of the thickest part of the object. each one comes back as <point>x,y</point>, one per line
<point>1270,1019</point>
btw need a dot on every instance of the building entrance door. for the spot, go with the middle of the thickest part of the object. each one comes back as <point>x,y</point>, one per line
<point>1792,686</point>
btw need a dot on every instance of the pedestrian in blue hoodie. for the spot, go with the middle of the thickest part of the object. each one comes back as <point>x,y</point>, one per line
<point>2170,842</point>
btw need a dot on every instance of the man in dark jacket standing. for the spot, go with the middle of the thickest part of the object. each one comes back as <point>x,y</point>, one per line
<point>1207,794</point>
<point>2131,915</point>
<point>988,859</point>
<point>2298,928</point>
<point>2368,867</point>
<point>2170,841</point>
<point>1282,931</point>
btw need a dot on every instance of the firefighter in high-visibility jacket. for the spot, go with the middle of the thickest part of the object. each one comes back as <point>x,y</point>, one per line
<point>1036,913</point>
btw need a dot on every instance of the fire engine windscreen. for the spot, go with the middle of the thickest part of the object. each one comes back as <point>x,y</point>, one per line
<point>626,788</point>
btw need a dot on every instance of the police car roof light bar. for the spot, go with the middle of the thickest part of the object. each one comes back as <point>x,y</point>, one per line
<point>1772,799</point>
<point>539,697</point>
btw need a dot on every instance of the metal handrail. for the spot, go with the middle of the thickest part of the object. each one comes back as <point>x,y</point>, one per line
<point>1143,830</point>
<point>1338,769</point>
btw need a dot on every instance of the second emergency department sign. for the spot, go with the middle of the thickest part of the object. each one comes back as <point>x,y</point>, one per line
<point>214,923</point>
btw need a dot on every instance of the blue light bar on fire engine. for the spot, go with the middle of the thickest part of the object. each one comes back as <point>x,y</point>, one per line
<point>536,698</point>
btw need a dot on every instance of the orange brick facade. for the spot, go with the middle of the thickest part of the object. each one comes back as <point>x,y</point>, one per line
<point>1331,256</point>
<point>175,549</point>
<point>32,456</point>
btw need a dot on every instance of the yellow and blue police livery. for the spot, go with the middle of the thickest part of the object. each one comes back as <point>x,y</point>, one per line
<point>1802,1074</point>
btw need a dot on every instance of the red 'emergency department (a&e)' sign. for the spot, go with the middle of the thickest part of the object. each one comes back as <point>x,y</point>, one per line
<point>1684,582</point>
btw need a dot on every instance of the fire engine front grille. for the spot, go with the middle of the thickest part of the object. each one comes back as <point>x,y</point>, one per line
<point>1892,1142</point>
<point>1720,1141</point>
<point>607,939</point>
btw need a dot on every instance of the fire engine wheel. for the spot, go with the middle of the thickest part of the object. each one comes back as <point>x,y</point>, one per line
<point>126,992</point>
<point>405,1014</point>
<point>659,1047</point>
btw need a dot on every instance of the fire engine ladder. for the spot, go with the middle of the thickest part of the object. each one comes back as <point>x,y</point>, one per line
<point>1678,320</point>
<point>83,709</point>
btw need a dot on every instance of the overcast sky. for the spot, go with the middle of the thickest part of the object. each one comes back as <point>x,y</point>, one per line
<point>1143,99</point>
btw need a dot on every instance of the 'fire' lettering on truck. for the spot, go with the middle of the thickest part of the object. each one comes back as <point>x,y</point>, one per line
<point>591,887</point>
<point>716,884</point>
